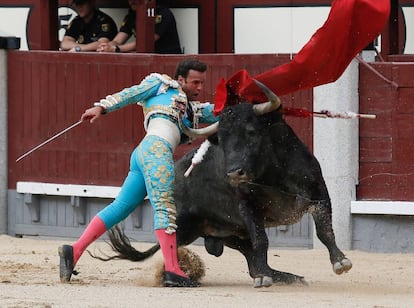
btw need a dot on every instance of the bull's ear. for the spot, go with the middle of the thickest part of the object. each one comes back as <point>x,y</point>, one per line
<point>213,139</point>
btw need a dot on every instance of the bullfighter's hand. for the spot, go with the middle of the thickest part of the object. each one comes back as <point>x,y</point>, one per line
<point>92,114</point>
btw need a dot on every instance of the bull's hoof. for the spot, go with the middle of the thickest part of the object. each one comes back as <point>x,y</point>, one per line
<point>264,281</point>
<point>342,266</point>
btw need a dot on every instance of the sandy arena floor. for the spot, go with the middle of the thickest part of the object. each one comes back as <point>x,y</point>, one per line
<point>29,278</point>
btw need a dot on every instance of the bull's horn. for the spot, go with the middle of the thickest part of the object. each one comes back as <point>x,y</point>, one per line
<point>272,104</point>
<point>200,132</point>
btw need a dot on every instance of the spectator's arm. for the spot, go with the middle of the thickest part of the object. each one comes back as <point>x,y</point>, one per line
<point>119,41</point>
<point>128,47</point>
<point>67,43</point>
<point>120,38</point>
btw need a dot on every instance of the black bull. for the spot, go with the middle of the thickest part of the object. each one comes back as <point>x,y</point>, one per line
<point>256,174</point>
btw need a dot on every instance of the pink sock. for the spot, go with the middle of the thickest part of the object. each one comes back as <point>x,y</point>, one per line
<point>93,231</point>
<point>168,243</point>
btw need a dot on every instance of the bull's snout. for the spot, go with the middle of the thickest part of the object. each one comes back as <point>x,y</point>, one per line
<point>237,176</point>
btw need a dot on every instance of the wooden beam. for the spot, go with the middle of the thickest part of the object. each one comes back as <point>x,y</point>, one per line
<point>42,28</point>
<point>145,26</point>
<point>393,28</point>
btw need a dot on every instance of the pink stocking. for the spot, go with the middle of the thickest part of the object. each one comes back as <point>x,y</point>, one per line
<point>93,231</point>
<point>168,243</point>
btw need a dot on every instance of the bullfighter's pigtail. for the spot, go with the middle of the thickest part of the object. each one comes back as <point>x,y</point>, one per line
<point>198,156</point>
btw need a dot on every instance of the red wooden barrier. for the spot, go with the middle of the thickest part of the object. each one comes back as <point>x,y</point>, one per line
<point>49,90</point>
<point>387,143</point>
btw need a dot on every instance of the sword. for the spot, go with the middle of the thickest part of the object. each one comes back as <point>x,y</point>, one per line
<point>48,140</point>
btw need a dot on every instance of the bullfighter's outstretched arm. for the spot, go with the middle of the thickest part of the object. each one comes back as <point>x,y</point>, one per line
<point>152,85</point>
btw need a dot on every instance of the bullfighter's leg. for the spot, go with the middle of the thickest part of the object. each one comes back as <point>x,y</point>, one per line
<point>131,195</point>
<point>322,215</point>
<point>157,164</point>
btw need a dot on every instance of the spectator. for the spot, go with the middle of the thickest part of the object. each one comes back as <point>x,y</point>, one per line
<point>90,28</point>
<point>127,29</point>
<point>165,36</point>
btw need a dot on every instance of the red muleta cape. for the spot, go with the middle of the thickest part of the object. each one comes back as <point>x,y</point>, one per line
<point>350,27</point>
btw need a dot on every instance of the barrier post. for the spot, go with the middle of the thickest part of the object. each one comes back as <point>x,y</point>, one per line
<point>6,43</point>
<point>336,145</point>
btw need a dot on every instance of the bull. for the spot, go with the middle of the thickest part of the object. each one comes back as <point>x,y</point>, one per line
<point>256,174</point>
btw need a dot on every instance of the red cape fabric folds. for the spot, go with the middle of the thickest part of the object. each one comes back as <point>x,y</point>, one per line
<point>350,27</point>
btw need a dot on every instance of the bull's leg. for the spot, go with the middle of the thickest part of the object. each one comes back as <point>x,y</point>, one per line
<point>189,229</point>
<point>245,247</point>
<point>259,242</point>
<point>257,235</point>
<point>322,216</point>
<point>256,251</point>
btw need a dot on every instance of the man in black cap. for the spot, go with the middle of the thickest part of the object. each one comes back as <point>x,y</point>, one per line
<point>90,28</point>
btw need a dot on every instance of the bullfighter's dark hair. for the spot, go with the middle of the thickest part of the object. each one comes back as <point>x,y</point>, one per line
<point>189,64</point>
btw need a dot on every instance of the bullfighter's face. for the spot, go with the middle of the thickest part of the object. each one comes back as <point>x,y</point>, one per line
<point>193,84</point>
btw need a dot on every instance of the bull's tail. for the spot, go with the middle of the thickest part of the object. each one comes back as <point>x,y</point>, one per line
<point>121,244</point>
